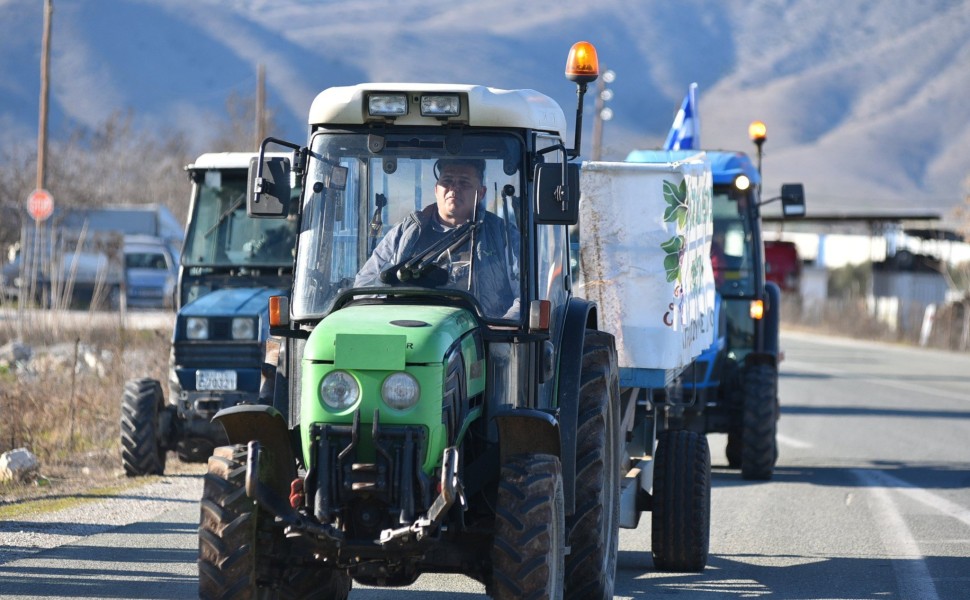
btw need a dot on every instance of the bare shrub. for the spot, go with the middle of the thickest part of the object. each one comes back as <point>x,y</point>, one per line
<point>63,404</point>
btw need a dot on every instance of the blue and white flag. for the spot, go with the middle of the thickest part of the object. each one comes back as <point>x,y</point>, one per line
<point>685,133</point>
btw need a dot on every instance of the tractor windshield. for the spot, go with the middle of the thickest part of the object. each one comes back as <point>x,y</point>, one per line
<point>405,213</point>
<point>732,245</point>
<point>220,233</point>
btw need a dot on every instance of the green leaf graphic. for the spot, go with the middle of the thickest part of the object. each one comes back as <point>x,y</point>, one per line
<point>672,267</point>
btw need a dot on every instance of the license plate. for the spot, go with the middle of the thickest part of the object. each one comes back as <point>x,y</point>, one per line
<point>215,380</point>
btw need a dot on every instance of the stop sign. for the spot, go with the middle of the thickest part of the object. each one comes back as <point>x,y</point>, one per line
<point>40,204</point>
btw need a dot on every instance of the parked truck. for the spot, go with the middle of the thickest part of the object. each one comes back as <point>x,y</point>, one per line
<point>417,427</point>
<point>230,265</point>
<point>733,386</point>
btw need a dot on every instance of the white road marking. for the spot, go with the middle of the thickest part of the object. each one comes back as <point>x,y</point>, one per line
<point>922,496</point>
<point>909,565</point>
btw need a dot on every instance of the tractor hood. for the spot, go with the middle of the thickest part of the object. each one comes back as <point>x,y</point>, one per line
<point>387,337</point>
<point>231,302</point>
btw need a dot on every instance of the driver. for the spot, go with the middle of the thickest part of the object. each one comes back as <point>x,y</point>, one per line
<point>459,192</point>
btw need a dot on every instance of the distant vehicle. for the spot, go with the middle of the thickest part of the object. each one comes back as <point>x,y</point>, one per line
<point>80,259</point>
<point>783,265</point>
<point>150,273</point>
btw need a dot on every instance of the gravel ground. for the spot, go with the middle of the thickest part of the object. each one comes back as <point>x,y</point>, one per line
<point>34,530</point>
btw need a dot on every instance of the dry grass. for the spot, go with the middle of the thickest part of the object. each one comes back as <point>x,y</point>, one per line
<point>64,404</point>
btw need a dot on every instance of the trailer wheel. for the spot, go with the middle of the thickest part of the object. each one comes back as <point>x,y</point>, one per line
<point>593,532</point>
<point>529,541</point>
<point>760,422</point>
<point>235,538</point>
<point>142,440</point>
<point>681,514</point>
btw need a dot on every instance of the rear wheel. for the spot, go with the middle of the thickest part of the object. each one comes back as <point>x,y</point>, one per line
<point>236,540</point>
<point>593,528</point>
<point>142,440</point>
<point>529,544</point>
<point>760,422</point>
<point>681,513</point>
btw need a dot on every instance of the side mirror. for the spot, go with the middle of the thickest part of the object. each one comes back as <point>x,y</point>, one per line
<point>555,205</point>
<point>268,189</point>
<point>792,200</point>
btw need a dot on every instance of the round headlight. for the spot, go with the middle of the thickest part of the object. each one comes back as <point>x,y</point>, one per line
<point>339,390</point>
<point>400,390</point>
<point>243,328</point>
<point>197,328</point>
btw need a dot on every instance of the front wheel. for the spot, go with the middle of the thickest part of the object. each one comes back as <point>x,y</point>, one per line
<point>236,540</point>
<point>593,528</point>
<point>681,517</point>
<point>528,550</point>
<point>759,449</point>
<point>142,439</point>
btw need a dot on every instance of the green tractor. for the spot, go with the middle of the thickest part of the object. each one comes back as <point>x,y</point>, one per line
<point>450,410</point>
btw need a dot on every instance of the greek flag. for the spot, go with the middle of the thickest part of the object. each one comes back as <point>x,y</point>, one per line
<point>685,133</point>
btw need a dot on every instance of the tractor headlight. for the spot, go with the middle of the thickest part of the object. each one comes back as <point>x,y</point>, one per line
<point>197,328</point>
<point>400,390</point>
<point>243,328</point>
<point>339,390</point>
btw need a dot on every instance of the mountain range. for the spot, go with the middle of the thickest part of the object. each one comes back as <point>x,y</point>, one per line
<point>866,101</point>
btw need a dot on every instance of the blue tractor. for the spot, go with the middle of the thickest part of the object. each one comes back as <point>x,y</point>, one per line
<point>732,387</point>
<point>222,353</point>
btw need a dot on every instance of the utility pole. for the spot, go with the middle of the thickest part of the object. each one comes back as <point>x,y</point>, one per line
<point>260,104</point>
<point>45,62</point>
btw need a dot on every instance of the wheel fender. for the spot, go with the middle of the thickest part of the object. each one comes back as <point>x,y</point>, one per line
<point>580,315</point>
<point>772,318</point>
<point>246,422</point>
<point>527,431</point>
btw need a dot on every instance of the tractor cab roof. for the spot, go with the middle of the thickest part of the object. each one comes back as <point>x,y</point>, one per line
<point>477,106</point>
<point>726,165</point>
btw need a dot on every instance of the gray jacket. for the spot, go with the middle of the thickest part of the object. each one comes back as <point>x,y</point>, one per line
<point>495,286</point>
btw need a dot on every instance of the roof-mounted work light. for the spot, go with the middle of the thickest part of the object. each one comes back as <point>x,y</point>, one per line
<point>387,105</point>
<point>440,105</point>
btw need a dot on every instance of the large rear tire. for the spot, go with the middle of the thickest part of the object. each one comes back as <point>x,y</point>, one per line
<point>142,444</point>
<point>236,540</point>
<point>593,529</point>
<point>529,544</point>
<point>681,516</point>
<point>759,450</point>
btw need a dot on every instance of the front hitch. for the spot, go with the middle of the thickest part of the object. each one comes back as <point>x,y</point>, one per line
<point>451,490</point>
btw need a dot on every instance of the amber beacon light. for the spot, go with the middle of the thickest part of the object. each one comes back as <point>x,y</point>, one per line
<point>582,65</point>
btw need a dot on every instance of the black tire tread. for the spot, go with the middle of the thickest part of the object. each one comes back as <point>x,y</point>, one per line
<point>528,547</point>
<point>592,533</point>
<point>759,423</point>
<point>141,450</point>
<point>681,502</point>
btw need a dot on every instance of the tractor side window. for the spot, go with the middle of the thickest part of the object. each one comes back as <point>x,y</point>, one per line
<point>731,248</point>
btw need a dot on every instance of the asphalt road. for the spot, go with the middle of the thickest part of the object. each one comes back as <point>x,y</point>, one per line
<point>870,500</point>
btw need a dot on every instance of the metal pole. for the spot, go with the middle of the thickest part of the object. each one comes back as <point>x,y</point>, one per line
<point>260,104</point>
<point>598,119</point>
<point>45,62</point>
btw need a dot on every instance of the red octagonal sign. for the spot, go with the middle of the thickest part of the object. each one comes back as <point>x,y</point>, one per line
<point>40,204</point>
